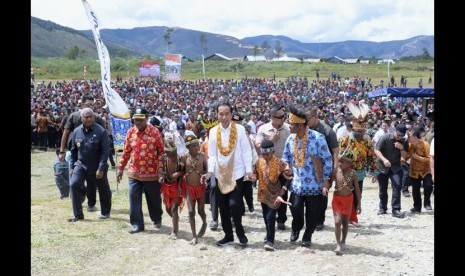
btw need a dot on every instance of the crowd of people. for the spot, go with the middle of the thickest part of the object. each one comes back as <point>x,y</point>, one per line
<point>214,140</point>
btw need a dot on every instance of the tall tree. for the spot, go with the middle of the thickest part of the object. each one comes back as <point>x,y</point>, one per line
<point>73,53</point>
<point>278,49</point>
<point>167,37</point>
<point>265,47</point>
<point>255,50</point>
<point>203,43</point>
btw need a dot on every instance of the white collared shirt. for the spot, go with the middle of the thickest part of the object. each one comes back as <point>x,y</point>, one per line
<point>242,151</point>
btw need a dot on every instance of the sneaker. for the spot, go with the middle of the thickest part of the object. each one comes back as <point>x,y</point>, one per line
<point>428,207</point>
<point>104,216</point>
<point>281,226</point>
<point>319,227</point>
<point>90,208</point>
<point>213,225</point>
<point>382,212</point>
<point>269,246</point>
<point>406,193</point>
<point>415,210</point>
<point>225,241</point>
<point>243,240</point>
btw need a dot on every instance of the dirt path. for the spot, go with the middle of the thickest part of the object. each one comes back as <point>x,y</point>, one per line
<point>383,245</point>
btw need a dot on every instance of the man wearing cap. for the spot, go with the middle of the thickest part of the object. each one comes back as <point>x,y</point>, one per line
<point>74,120</point>
<point>277,131</point>
<point>330,136</point>
<point>389,150</point>
<point>179,135</point>
<point>230,159</point>
<point>90,147</point>
<point>311,165</point>
<point>143,146</point>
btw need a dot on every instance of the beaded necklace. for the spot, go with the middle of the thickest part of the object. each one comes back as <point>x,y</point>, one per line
<point>231,142</point>
<point>193,161</point>
<point>300,154</point>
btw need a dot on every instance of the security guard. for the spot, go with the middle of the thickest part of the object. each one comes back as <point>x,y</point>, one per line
<point>89,154</point>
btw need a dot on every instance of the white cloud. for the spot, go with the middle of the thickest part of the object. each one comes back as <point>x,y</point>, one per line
<point>304,20</point>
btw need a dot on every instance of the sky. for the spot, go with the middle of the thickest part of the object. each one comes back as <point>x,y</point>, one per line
<point>304,20</point>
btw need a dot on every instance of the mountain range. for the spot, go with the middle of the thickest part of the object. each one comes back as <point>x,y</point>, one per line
<point>49,39</point>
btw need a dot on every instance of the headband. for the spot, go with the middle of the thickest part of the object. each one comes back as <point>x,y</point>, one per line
<point>266,150</point>
<point>193,141</point>
<point>295,119</point>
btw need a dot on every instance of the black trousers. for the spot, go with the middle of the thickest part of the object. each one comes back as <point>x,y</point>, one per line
<point>232,205</point>
<point>312,205</point>
<point>247,191</point>
<point>396,179</point>
<point>78,190</point>
<point>214,198</point>
<point>427,182</point>
<point>282,210</point>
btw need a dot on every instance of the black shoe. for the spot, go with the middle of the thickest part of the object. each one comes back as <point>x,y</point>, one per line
<point>63,197</point>
<point>243,240</point>
<point>233,225</point>
<point>74,219</point>
<point>397,214</point>
<point>269,246</point>
<point>306,243</point>
<point>136,229</point>
<point>281,226</point>
<point>90,208</point>
<point>157,225</point>
<point>428,207</point>
<point>319,227</point>
<point>251,210</point>
<point>101,216</point>
<point>381,212</point>
<point>264,240</point>
<point>415,210</point>
<point>406,193</point>
<point>225,241</point>
<point>294,236</point>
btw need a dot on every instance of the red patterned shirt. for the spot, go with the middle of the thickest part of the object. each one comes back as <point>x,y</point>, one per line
<point>145,150</point>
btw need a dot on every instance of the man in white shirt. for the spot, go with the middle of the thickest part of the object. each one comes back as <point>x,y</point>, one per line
<point>230,161</point>
<point>277,131</point>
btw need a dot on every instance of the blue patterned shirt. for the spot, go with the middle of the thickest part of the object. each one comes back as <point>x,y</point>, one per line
<point>304,182</point>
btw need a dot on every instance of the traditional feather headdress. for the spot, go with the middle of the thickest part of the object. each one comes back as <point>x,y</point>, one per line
<point>359,112</point>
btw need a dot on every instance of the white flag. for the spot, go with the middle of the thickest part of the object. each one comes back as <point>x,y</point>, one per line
<point>116,104</point>
<point>119,111</point>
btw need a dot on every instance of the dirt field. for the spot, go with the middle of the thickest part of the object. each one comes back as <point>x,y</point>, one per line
<point>383,245</point>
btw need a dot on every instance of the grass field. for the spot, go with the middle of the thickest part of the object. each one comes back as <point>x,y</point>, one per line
<point>63,69</point>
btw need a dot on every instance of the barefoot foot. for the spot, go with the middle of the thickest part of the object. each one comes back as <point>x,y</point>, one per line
<point>193,241</point>
<point>338,250</point>
<point>173,236</point>
<point>202,230</point>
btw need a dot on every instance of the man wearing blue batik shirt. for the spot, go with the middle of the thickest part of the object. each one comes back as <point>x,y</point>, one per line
<point>310,164</point>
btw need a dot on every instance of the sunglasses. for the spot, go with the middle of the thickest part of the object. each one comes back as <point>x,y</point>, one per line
<point>279,117</point>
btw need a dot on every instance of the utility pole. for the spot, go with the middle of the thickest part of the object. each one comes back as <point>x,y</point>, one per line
<point>203,65</point>
<point>319,48</point>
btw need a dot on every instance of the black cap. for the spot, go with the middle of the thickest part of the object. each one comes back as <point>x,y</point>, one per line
<point>180,126</point>
<point>401,129</point>
<point>237,117</point>
<point>140,113</point>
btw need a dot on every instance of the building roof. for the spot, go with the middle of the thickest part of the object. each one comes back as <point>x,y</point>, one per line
<point>217,56</point>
